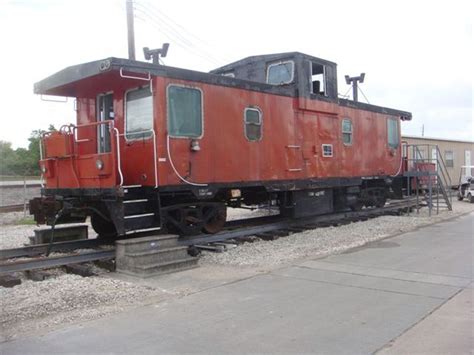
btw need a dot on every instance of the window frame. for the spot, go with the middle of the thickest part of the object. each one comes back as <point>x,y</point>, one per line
<point>101,129</point>
<point>260,116</point>
<point>450,160</point>
<point>345,132</point>
<point>168,110</point>
<point>279,63</point>
<point>396,120</point>
<point>325,94</point>
<point>332,150</point>
<point>125,115</point>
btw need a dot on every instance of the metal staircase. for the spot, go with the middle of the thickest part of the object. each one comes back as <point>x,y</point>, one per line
<point>140,209</point>
<point>427,176</point>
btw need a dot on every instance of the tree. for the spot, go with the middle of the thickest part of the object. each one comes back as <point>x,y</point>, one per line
<point>7,158</point>
<point>22,161</point>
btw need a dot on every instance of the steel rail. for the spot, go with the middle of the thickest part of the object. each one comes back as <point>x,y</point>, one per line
<point>38,249</point>
<point>12,208</point>
<point>47,262</point>
<point>20,186</point>
<point>300,222</point>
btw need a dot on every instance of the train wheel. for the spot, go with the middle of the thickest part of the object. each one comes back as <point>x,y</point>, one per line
<point>105,229</point>
<point>215,217</point>
<point>381,200</point>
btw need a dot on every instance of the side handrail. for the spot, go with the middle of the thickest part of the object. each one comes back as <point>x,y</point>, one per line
<point>72,129</point>
<point>125,76</point>
<point>113,131</point>
<point>119,160</point>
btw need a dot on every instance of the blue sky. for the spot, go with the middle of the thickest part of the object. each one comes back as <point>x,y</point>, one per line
<point>417,55</point>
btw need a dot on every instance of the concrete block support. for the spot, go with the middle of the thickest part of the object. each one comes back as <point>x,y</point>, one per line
<point>151,256</point>
<point>61,234</point>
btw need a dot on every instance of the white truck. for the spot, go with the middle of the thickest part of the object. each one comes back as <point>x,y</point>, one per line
<point>466,184</point>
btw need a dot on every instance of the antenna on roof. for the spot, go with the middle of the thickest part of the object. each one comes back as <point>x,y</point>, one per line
<point>354,80</point>
<point>155,54</point>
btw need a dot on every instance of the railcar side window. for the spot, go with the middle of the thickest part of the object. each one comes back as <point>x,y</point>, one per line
<point>327,150</point>
<point>392,133</point>
<point>253,124</point>
<point>280,73</point>
<point>138,113</point>
<point>184,111</point>
<point>347,131</point>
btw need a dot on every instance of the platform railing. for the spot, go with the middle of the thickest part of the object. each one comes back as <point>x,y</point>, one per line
<point>72,131</point>
<point>419,169</point>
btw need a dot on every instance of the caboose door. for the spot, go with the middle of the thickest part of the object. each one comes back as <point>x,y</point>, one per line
<point>139,147</point>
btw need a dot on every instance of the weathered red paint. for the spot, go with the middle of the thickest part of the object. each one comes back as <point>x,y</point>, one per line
<point>294,130</point>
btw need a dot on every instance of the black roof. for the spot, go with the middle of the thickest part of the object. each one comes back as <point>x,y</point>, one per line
<point>269,58</point>
<point>63,83</point>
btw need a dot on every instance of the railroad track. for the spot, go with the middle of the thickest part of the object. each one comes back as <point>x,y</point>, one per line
<point>268,227</point>
<point>285,226</point>
<point>13,208</point>
<point>9,264</point>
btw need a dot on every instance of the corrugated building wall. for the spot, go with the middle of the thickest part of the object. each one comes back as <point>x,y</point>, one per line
<point>455,153</point>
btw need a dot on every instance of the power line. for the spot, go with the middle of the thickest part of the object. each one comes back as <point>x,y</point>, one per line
<point>179,42</point>
<point>177,32</point>
<point>175,23</point>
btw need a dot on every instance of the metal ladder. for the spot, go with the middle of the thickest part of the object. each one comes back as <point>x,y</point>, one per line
<point>437,182</point>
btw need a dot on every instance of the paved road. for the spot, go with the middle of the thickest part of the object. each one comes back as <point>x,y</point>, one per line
<point>411,293</point>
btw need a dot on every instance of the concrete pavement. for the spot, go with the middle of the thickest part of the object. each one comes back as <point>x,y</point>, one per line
<point>407,294</point>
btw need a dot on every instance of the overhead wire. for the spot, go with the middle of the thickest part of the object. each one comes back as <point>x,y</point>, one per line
<point>176,41</point>
<point>163,17</point>
<point>179,44</point>
<point>169,29</point>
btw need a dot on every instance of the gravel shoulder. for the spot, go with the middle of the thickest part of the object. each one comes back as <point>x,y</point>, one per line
<point>63,298</point>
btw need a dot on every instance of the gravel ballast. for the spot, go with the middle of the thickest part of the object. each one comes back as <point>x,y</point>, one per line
<point>325,241</point>
<point>64,299</point>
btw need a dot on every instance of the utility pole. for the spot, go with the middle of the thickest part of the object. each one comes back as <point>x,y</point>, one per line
<point>354,80</point>
<point>131,31</point>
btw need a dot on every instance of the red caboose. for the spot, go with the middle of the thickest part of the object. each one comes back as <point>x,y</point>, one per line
<point>162,147</point>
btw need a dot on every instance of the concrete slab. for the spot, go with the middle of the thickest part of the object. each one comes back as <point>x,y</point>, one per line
<point>442,249</point>
<point>267,313</point>
<point>381,283</point>
<point>385,272</point>
<point>193,280</point>
<point>449,330</point>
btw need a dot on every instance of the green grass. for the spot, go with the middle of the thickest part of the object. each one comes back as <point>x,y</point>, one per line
<point>27,221</point>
